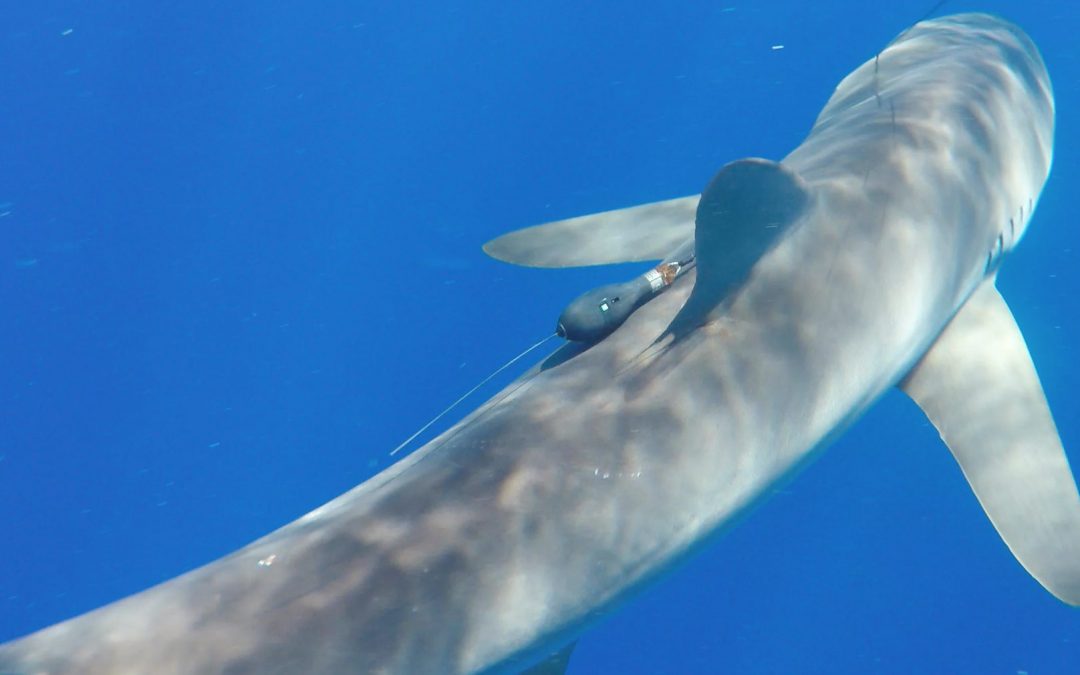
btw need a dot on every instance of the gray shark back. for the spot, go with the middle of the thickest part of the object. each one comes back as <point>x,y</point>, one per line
<point>499,542</point>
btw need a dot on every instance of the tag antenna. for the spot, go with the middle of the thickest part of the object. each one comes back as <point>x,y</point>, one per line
<point>469,393</point>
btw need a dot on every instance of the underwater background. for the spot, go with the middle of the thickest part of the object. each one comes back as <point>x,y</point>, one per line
<point>240,261</point>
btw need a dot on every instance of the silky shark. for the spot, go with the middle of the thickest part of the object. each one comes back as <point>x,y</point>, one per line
<point>866,259</point>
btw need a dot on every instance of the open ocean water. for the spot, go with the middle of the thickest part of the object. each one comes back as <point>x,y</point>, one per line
<point>239,262</point>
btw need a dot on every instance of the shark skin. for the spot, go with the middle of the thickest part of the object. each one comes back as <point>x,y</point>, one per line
<point>497,544</point>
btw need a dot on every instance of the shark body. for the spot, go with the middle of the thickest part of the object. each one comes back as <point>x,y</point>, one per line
<point>864,260</point>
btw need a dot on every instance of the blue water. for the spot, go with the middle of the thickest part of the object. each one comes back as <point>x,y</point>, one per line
<point>239,262</point>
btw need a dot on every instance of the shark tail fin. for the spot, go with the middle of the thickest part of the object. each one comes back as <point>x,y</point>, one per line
<point>634,234</point>
<point>979,388</point>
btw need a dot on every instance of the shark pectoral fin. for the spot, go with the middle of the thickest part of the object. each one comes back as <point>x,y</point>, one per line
<point>744,210</point>
<point>645,232</point>
<point>979,388</point>
<point>556,664</point>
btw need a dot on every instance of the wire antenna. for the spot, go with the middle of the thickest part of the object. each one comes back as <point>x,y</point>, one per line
<point>470,393</point>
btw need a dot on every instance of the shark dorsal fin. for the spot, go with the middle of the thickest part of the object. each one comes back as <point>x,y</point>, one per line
<point>634,234</point>
<point>743,212</point>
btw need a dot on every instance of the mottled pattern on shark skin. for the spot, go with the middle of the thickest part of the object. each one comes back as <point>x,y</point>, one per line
<point>500,541</point>
<point>977,127</point>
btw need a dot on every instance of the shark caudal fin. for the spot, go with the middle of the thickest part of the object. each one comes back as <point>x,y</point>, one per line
<point>979,388</point>
<point>635,234</point>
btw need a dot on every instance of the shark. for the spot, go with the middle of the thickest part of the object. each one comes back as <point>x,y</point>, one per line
<point>790,296</point>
